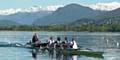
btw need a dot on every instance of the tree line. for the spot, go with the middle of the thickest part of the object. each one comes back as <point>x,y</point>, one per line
<point>80,27</point>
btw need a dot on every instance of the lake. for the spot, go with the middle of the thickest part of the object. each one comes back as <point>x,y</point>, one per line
<point>105,42</point>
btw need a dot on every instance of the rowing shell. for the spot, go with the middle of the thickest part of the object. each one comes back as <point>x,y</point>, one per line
<point>85,52</point>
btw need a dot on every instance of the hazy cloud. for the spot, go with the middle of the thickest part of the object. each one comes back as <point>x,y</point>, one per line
<point>105,6</point>
<point>30,9</point>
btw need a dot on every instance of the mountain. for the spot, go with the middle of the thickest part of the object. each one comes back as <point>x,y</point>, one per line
<point>67,14</point>
<point>77,14</point>
<point>83,21</point>
<point>113,13</point>
<point>8,23</point>
<point>38,15</point>
<point>25,17</point>
<point>108,17</point>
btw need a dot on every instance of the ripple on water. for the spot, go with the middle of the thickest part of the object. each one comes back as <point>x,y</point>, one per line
<point>112,54</point>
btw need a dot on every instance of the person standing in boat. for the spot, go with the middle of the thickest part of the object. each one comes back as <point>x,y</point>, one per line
<point>74,44</point>
<point>35,40</point>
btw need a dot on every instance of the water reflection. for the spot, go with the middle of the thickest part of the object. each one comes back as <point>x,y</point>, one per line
<point>34,54</point>
<point>53,55</point>
<point>70,57</point>
<point>74,57</point>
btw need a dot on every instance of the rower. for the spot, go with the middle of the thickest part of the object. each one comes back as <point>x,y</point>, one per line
<point>66,44</point>
<point>51,42</point>
<point>74,44</point>
<point>58,43</point>
<point>66,41</point>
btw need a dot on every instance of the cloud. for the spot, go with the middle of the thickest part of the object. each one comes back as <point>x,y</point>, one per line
<point>98,6</point>
<point>30,9</point>
<point>105,6</point>
<point>52,7</point>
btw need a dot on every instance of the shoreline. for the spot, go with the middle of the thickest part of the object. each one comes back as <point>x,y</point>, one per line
<point>55,31</point>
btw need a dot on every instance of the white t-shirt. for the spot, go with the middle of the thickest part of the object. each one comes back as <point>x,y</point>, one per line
<point>51,41</point>
<point>74,45</point>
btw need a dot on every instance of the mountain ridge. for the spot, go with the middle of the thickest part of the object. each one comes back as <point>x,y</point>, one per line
<point>25,17</point>
<point>63,15</point>
<point>67,14</point>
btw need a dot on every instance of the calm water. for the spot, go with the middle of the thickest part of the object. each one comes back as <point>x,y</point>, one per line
<point>107,42</point>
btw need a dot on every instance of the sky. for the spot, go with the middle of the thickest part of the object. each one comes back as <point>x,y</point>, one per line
<point>4,4</point>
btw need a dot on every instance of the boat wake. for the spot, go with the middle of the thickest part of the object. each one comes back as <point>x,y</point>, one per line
<point>7,44</point>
